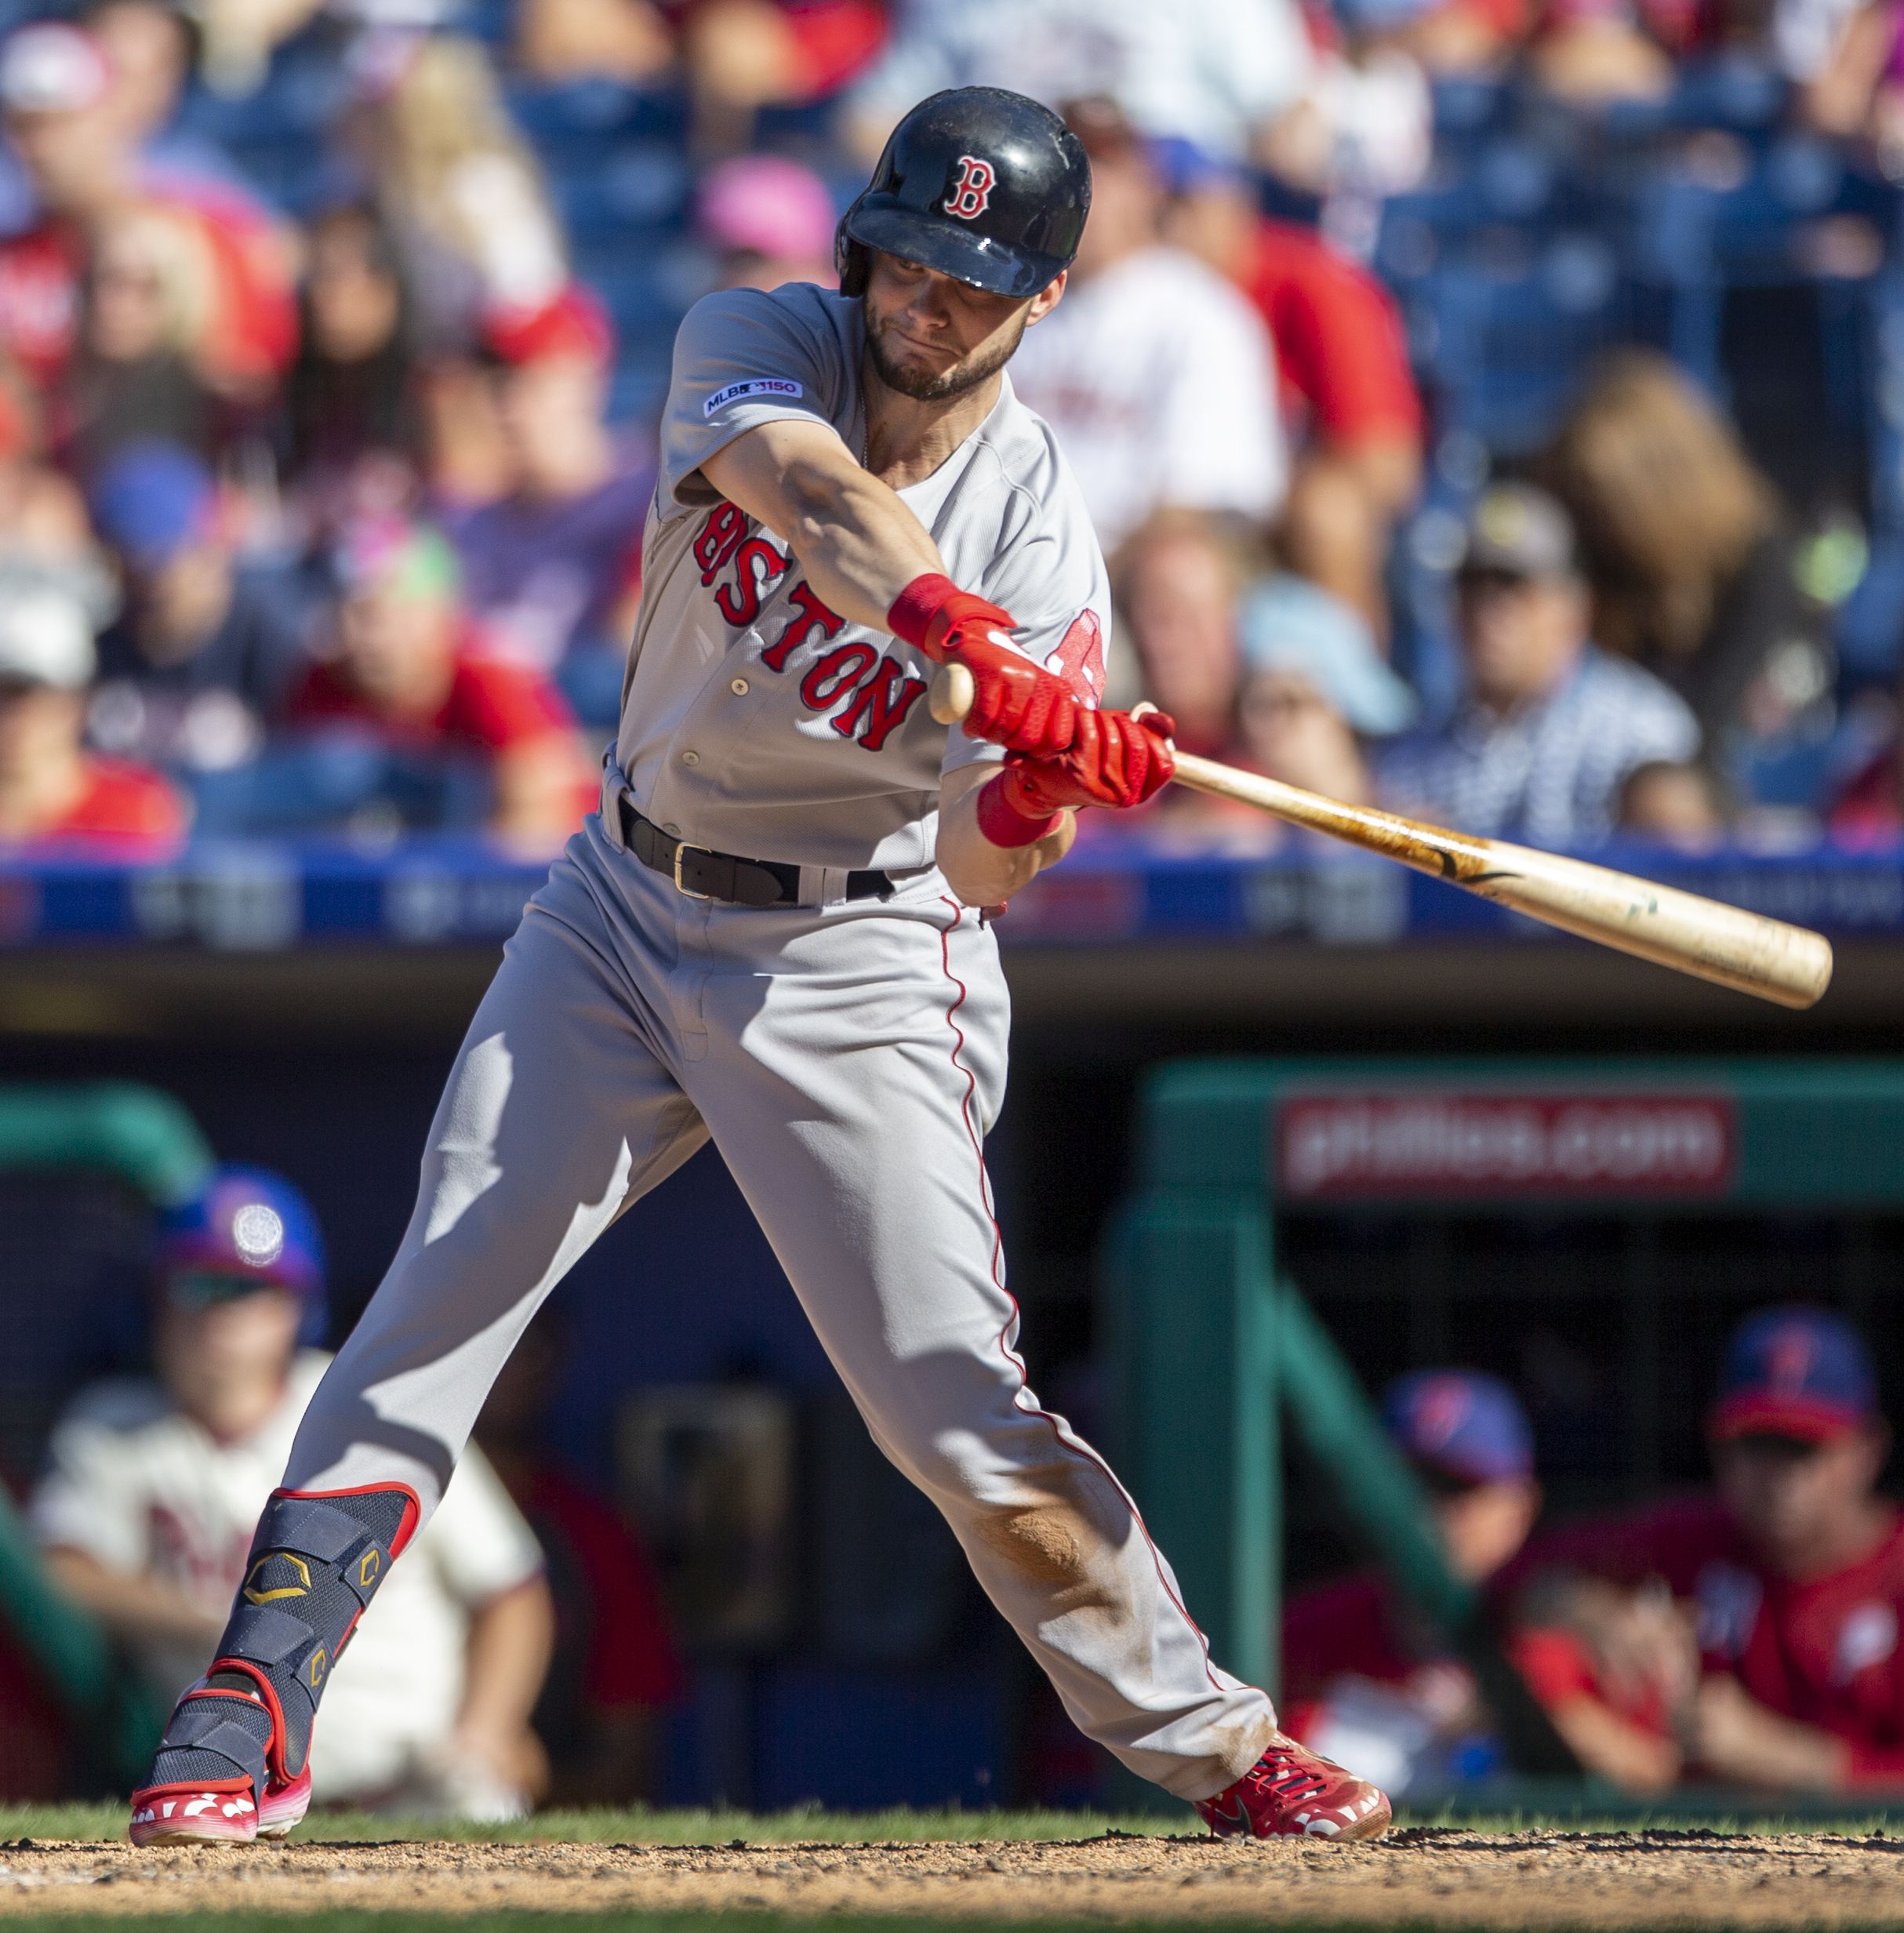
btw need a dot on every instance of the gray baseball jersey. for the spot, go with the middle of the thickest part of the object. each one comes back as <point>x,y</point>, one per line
<point>846,1056</point>
<point>756,721</point>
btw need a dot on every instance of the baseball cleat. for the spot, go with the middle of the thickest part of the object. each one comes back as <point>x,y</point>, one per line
<point>235,1762</point>
<point>1293,1791</point>
<point>211,1780</point>
<point>194,1816</point>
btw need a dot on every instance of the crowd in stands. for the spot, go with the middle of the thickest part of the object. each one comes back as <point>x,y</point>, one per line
<point>331,333</point>
<point>1747,1636</point>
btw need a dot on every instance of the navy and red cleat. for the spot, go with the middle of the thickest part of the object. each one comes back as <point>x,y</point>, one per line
<point>217,1731</point>
<point>1292,1791</point>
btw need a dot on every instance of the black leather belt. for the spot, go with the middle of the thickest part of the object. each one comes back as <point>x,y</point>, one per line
<point>702,873</point>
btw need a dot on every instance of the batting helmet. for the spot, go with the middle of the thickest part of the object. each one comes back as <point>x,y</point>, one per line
<point>252,1225</point>
<point>980,183</point>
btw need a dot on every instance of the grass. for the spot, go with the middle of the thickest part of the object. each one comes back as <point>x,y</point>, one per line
<point>724,1826</point>
<point>640,1826</point>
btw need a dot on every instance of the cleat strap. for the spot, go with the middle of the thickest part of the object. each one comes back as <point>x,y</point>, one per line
<point>213,1737</point>
<point>264,1637</point>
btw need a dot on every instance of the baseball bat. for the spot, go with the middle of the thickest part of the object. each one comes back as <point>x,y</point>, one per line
<point>1704,938</point>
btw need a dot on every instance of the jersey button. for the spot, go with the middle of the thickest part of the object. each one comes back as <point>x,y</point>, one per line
<point>672,829</point>
<point>738,688</point>
<point>690,758</point>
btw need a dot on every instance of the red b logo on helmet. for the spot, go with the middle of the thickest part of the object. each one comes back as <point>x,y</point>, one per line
<point>976,180</point>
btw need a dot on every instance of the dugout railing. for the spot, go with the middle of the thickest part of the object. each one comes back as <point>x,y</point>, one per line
<point>1299,1229</point>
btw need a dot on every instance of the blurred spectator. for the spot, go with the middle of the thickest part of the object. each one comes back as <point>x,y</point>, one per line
<point>1366,1683</point>
<point>351,393</point>
<point>149,292</point>
<point>1550,726</point>
<point>558,41</point>
<point>1364,124</point>
<point>81,160</point>
<point>151,1499</point>
<point>1589,52</point>
<point>1157,376</point>
<point>1679,805</point>
<point>615,1666</point>
<point>552,570</point>
<point>50,787</point>
<point>1347,390</point>
<point>151,47</point>
<point>1317,690</point>
<point>768,221</point>
<point>459,191</point>
<point>1177,582</point>
<point>1868,808</point>
<point>1795,1568</point>
<point>1693,566</point>
<point>742,56</point>
<point>204,653</point>
<point>407,686</point>
<point>1211,71</point>
<point>1314,692</point>
<point>44,532</point>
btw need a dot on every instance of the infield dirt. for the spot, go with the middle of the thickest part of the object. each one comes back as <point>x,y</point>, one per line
<point>1431,1876</point>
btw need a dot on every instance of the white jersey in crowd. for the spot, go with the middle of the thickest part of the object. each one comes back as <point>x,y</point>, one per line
<point>1159,379</point>
<point>139,1487</point>
<point>1211,71</point>
<point>756,721</point>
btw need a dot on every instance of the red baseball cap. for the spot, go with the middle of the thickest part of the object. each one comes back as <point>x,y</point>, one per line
<point>572,323</point>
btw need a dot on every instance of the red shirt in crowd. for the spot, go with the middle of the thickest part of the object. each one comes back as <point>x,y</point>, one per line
<point>122,804</point>
<point>1340,350</point>
<point>1824,1654</point>
<point>41,270</point>
<point>492,705</point>
<point>251,332</point>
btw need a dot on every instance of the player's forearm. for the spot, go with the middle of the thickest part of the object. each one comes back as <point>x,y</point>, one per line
<point>511,1640</point>
<point>980,872</point>
<point>131,1603</point>
<point>857,543</point>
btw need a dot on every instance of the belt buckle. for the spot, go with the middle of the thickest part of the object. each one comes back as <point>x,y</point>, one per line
<point>688,892</point>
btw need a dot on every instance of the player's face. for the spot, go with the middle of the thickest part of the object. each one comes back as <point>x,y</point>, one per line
<point>1481,1527</point>
<point>206,1348</point>
<point>933,338</point>
<point>1798,1504</point>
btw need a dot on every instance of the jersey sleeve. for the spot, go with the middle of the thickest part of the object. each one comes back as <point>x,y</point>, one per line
<point>1051,579</point>
<point>742,358</point>
<point>89,1498</point>
<point>478,1543</point>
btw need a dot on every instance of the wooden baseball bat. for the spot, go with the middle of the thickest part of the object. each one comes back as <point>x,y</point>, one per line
<point>1712,941</point>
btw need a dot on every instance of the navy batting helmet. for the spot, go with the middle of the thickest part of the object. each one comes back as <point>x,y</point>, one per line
<point>980,183</point>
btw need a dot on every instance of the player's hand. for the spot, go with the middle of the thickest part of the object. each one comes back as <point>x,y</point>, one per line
<point>1015,703</point>
<point>1115,759</point>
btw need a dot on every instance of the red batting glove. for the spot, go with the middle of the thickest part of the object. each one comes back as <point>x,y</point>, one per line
<point>1115,760</point>
<point>1015,703</point>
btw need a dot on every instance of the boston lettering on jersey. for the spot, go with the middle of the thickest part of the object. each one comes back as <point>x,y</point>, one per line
<point>876,690</point>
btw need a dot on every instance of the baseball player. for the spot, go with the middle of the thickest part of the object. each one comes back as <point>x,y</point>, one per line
<point>145,1511</point>
<point>768,936</point>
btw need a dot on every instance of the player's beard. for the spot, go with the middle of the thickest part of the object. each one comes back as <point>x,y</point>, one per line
<point>968,374</point>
